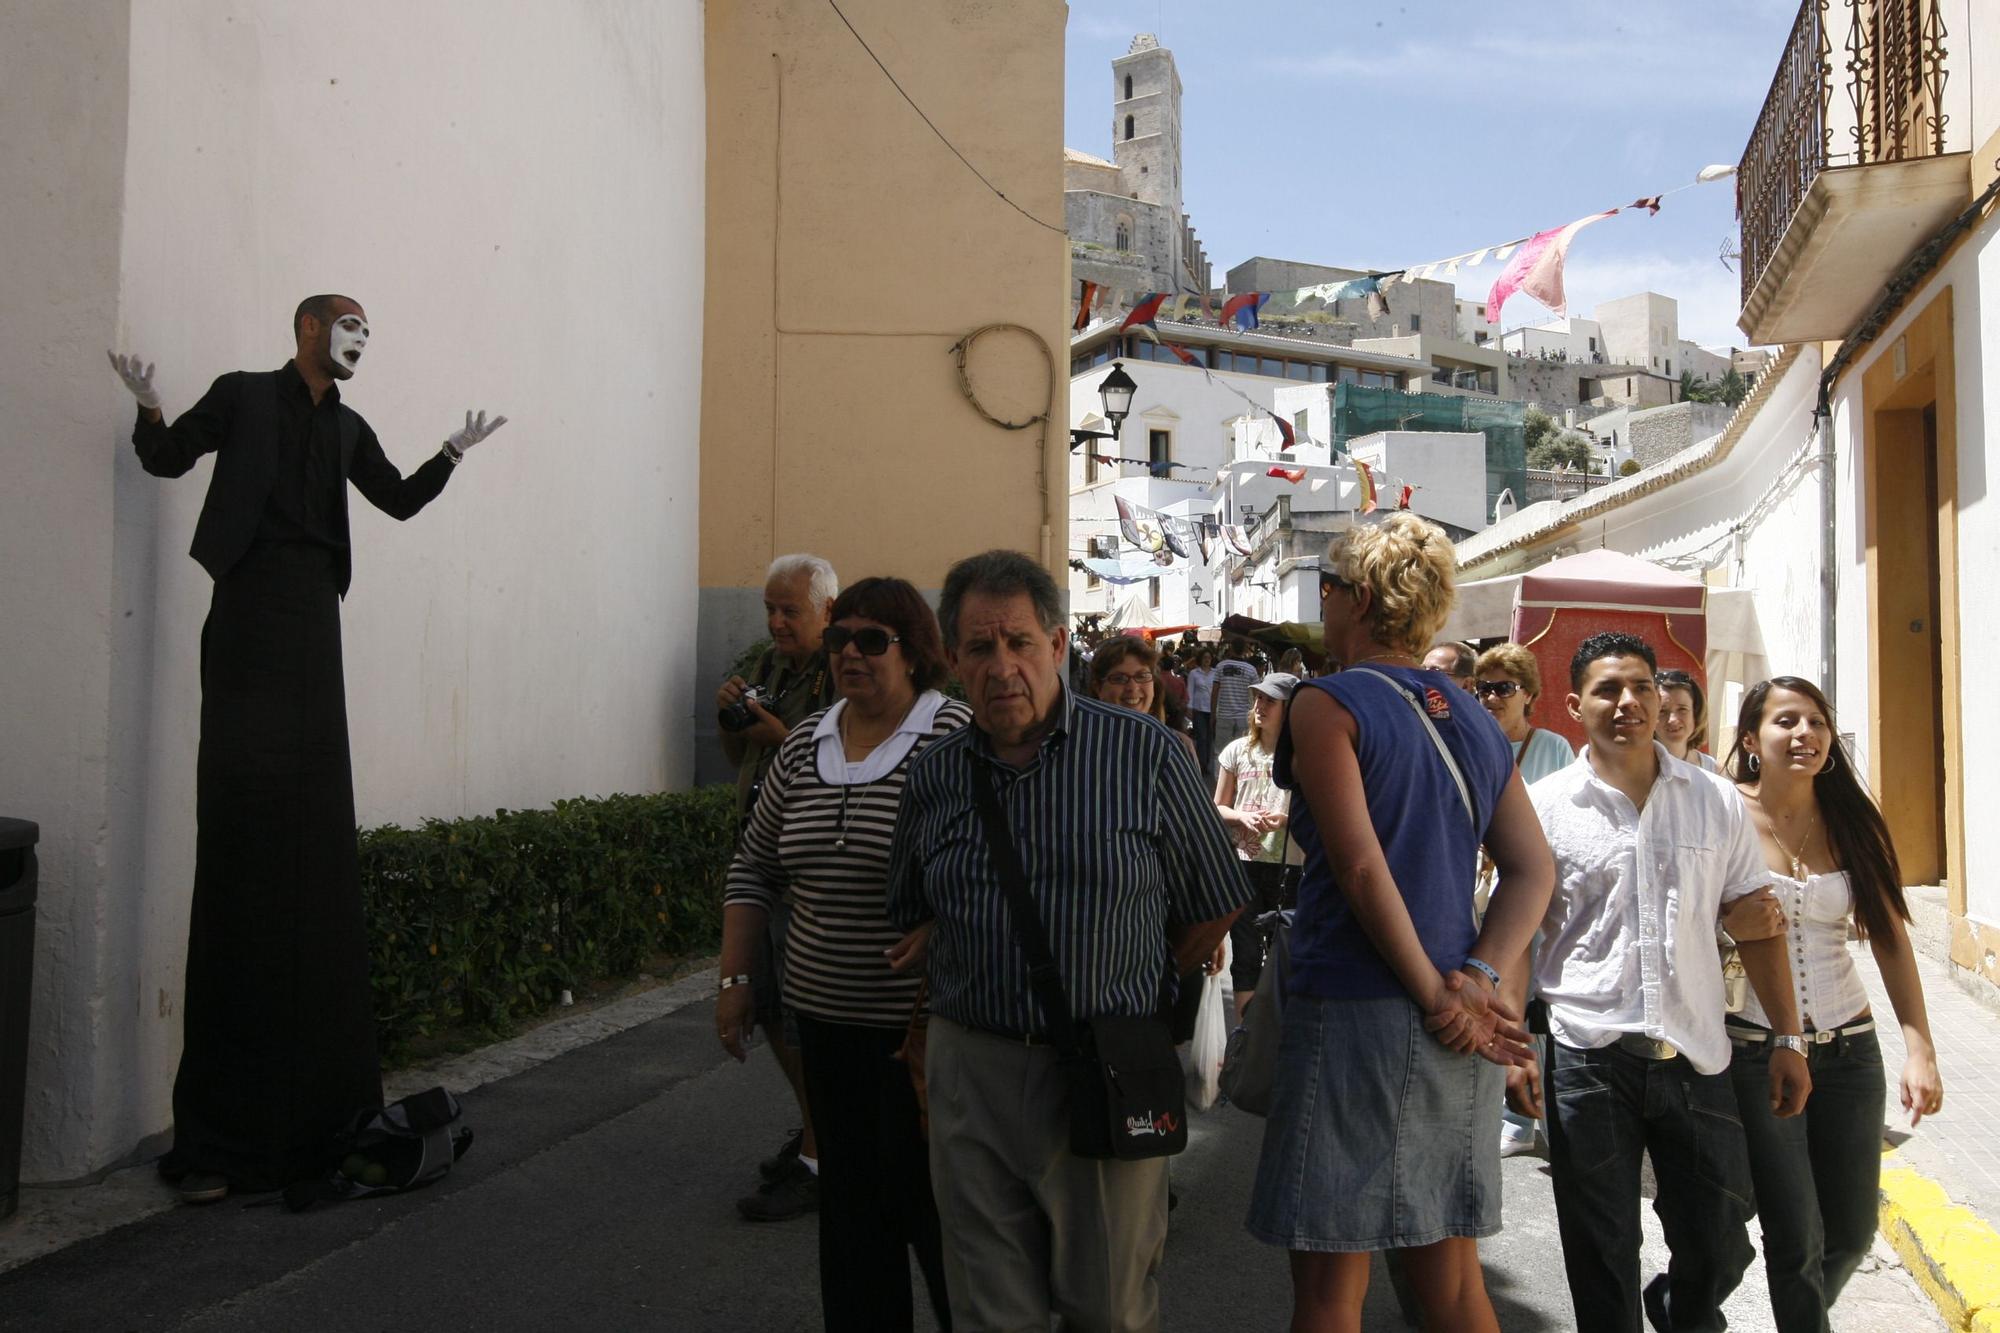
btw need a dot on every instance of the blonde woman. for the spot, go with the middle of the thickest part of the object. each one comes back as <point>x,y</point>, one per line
<point>1394,1035</point>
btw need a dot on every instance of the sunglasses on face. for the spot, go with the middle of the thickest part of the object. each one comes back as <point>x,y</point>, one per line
<point>870,642</point>
<point>1498,689</point>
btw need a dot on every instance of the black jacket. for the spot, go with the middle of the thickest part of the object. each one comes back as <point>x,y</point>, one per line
<point>241,419</point>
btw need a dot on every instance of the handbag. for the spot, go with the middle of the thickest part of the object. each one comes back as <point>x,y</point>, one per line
<point>1127,1094</point>
<point>1250,1062</point>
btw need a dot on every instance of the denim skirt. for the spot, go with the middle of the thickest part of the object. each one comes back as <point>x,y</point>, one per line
<point>1379,1137</point>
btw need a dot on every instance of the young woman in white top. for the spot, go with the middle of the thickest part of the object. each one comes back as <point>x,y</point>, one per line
<point>1253,808</point>
<point>1829,850</point>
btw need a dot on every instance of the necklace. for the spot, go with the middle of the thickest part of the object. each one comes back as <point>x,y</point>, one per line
<point>1798,861</point>
<point>1378,657</point>
<point>840,843</point>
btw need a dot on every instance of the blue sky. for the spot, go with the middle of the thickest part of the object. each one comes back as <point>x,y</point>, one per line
<point>1375,135</point>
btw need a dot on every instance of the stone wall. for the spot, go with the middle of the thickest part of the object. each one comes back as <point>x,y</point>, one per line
<point>1659,434</point>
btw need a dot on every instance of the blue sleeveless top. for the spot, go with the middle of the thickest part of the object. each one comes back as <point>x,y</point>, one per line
<point>1431,846</point>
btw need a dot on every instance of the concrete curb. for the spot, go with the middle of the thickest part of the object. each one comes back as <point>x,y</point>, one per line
<point>1952,1252</point>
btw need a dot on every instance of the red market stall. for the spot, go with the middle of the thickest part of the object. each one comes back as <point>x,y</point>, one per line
<point>1559,605</point>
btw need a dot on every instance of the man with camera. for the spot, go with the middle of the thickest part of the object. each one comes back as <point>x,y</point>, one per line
<point>788,683</point>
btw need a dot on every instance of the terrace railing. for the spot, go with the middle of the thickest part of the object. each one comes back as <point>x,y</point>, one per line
<point>1893,75</point>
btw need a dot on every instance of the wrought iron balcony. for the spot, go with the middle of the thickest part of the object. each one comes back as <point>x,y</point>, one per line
<point>1887,103</point>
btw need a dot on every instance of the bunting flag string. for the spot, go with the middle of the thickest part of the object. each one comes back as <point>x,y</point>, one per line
<point>1403,500</point>
<point>1365,476</point>
<point>1091,291</point>
<point>1243,310</point>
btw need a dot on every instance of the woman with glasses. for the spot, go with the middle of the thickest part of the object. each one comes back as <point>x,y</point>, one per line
<point>1683,718</point>
<point>1394,1034</point>
<point>822,830</point>
<point>1508,683</point>
<point>1126,671</point>
<point>1831,860</point>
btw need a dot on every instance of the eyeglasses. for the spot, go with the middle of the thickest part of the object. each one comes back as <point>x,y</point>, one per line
<point>1497,689</point>
<point>870,642</point>
<point>1327,581</point>
<point>1119,680</point>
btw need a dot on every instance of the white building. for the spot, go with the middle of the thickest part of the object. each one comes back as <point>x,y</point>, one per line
<point>1849,492</point>
<point>178,177</point>
<point>1185,426</point>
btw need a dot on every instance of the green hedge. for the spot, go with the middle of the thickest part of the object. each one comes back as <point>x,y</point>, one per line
<point>478,923</point>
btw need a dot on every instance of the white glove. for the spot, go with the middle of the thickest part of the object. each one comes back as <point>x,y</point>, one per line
<point>474,432</point>
<point>139,380</point>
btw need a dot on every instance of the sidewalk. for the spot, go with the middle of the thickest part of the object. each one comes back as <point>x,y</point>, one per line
<point>1941,1182</point>
<point>51,1218</point>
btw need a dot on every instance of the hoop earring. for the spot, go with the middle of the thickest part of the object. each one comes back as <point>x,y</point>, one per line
<point>1752,762</point>
<point>1832,760</point>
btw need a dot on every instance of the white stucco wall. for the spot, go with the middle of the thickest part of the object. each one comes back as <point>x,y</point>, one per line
<point>514,192</point>
<point>62,141</point>
<point>1973,274</point>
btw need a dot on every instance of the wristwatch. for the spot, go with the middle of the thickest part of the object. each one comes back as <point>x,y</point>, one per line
<point>1789,1041</point>
<point>740,979</point>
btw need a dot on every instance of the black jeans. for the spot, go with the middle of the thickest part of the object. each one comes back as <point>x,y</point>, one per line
<point>1817,1173</point>
<point>875,1203</point>
<point>1606,1108</point>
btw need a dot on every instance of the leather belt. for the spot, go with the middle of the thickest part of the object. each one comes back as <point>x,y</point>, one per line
<point>1647,1048</point>
<point>1812,1038</point>
<point>1017,1038</point>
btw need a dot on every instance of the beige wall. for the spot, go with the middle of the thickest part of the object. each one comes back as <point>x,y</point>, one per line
<point>848,250</point>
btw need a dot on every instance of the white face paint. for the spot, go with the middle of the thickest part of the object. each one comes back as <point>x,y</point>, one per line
<point>345,342</point>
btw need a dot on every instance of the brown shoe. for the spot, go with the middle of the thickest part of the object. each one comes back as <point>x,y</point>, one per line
<point>203,1187</point>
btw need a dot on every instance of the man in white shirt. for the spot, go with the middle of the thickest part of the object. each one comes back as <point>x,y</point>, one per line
<point>1647,849</point>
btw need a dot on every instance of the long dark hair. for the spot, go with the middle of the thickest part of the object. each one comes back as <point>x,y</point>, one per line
<point>1855,828</point>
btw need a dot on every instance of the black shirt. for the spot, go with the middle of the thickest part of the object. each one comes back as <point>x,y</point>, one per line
<point>304,504</point>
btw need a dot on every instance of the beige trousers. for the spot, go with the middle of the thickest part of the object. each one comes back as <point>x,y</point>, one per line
<point>1029,1229</point>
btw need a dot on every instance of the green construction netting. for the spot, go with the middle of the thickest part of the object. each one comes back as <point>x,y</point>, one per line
<point>1359,410</point>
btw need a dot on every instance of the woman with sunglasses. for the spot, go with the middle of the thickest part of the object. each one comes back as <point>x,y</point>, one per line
<point>1253,808</point>
<point>1683,718</point>
<point>1388,1073</point>
<point>1508,683</point>
<point>1828,848</point>
<point>822,831</point>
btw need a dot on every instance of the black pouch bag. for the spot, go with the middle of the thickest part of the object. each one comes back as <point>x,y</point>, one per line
<point>405,1145</point>
<point>1127,1093</point>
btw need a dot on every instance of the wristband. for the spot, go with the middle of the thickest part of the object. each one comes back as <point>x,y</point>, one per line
<point>1481,965</point>
<point>453,456</point>
<point>740,979</point>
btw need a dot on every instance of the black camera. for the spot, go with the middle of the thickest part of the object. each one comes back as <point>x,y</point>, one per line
<point>738,717</point>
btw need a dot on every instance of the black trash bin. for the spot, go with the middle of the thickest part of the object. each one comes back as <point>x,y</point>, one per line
<point>17,967</point>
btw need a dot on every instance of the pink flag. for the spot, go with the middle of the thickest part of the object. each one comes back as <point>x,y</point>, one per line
<point>1537,268</point>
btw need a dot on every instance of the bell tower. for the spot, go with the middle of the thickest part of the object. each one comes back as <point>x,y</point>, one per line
<point>1146,130</point>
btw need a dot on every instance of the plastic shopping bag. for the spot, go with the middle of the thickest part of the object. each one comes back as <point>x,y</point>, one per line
<point>1211,1037</point>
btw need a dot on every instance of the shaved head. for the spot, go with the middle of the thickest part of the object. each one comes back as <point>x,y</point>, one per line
<point>322,308</point>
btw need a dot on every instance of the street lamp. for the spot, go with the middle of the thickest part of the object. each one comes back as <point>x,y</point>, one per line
<point>1116,390</point>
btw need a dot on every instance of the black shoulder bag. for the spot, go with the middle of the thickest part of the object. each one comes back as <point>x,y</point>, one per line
<point>1127,1094</point>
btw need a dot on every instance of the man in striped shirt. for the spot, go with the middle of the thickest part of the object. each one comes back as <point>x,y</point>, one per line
<point>1136,883</point>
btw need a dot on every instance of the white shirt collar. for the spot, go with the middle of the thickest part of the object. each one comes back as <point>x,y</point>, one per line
<point>831,759</point>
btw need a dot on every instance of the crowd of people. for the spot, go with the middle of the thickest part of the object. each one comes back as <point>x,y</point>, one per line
<point>1496,944</point>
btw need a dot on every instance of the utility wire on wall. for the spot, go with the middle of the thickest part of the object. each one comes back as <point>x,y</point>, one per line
<point>998,193</point>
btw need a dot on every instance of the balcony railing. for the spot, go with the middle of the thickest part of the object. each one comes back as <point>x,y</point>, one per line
<point>1894,67</point>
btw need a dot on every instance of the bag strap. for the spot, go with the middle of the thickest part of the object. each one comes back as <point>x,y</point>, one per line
<point>1437,739</point>
<point>1044,982</point>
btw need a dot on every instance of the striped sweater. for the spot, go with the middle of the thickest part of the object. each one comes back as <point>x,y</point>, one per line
<point>829,845</point>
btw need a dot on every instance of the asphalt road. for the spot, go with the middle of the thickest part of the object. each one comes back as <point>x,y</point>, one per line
<point>599,1194</point>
